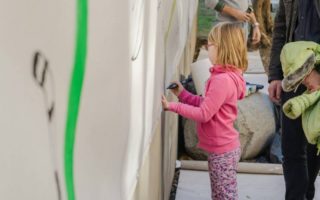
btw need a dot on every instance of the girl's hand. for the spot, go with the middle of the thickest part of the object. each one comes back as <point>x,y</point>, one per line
<point>252,17</point>
<point>256,35</point>
<point>238,14</point>
<point>176,91</point>
<point>165,103</point>
<point>241,16</point>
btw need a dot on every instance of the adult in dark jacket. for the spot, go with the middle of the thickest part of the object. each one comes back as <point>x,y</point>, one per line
<point>296,20</point>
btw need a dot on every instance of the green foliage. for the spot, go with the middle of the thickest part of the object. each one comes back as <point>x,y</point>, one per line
<point>206,17</point>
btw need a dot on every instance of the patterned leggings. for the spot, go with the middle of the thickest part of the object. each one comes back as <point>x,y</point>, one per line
<point>223,175</point>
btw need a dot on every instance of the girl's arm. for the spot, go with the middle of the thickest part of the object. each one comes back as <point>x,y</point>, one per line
<point>185,96</point>
<point>221,6</point>
<point>191,99</point>
<point>236,13</point>
<point>214,99</point>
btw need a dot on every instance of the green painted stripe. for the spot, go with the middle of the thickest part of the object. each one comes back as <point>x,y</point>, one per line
<point>75,94</point>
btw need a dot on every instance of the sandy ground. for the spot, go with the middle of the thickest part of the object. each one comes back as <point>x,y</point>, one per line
<point>195,185</point>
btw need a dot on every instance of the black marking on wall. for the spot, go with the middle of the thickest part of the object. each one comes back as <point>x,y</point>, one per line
<point>44,78</point>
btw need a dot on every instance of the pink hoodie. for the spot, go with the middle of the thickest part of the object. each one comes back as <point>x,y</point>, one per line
<point>216,112</point>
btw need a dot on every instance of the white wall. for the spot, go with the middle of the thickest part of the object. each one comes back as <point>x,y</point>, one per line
<point>27,165</point>
<point>118,139</point>
<point>103,124</point>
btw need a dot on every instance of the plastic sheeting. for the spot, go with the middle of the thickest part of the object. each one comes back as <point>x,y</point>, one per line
<point>81,84</point>
<point>160,31</point>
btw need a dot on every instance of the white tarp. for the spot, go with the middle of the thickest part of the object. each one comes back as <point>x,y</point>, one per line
<point>159,33</point>
<point>81,83</point>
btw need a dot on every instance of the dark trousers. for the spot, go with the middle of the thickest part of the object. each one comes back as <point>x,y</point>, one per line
<point>300,161</point>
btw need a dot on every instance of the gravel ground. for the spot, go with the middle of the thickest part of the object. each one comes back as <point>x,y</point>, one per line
<point>174,185</point>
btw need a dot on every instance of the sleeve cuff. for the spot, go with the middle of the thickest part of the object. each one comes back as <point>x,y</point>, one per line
<point>220,5</point>
<point>274,76</point>
<point>183,94</point>
<point>275,72</point>
<point>173,106</point>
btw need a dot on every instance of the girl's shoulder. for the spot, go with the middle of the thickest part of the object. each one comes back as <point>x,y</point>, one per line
<point>223,76</point>
<point>220,80</point>
<point>226,75</point>
<point>227,79</point>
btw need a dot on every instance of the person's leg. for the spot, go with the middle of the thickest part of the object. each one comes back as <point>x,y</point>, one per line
<point>223,175</point>
<point>313,169</point>
<point>294,154</point>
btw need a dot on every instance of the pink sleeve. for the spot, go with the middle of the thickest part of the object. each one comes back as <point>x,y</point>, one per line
<point>188,98</point>
<point>214,99</point>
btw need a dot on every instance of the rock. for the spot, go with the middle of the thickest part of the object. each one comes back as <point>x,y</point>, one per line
<point>255,123</point>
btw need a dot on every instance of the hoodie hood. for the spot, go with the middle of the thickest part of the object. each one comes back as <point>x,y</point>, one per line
<point>235,74</point>
<point>297,60</point>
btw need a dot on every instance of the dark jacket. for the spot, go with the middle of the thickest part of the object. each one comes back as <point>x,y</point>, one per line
<point>284,26</point>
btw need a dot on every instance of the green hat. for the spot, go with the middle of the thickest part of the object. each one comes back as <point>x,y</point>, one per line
<point>298,59</point>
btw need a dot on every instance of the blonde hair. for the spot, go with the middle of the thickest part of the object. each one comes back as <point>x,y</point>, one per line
<point>231,45</point>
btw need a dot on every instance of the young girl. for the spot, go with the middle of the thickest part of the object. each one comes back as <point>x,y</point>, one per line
<point>236,11</point>
<point>217,110</point>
